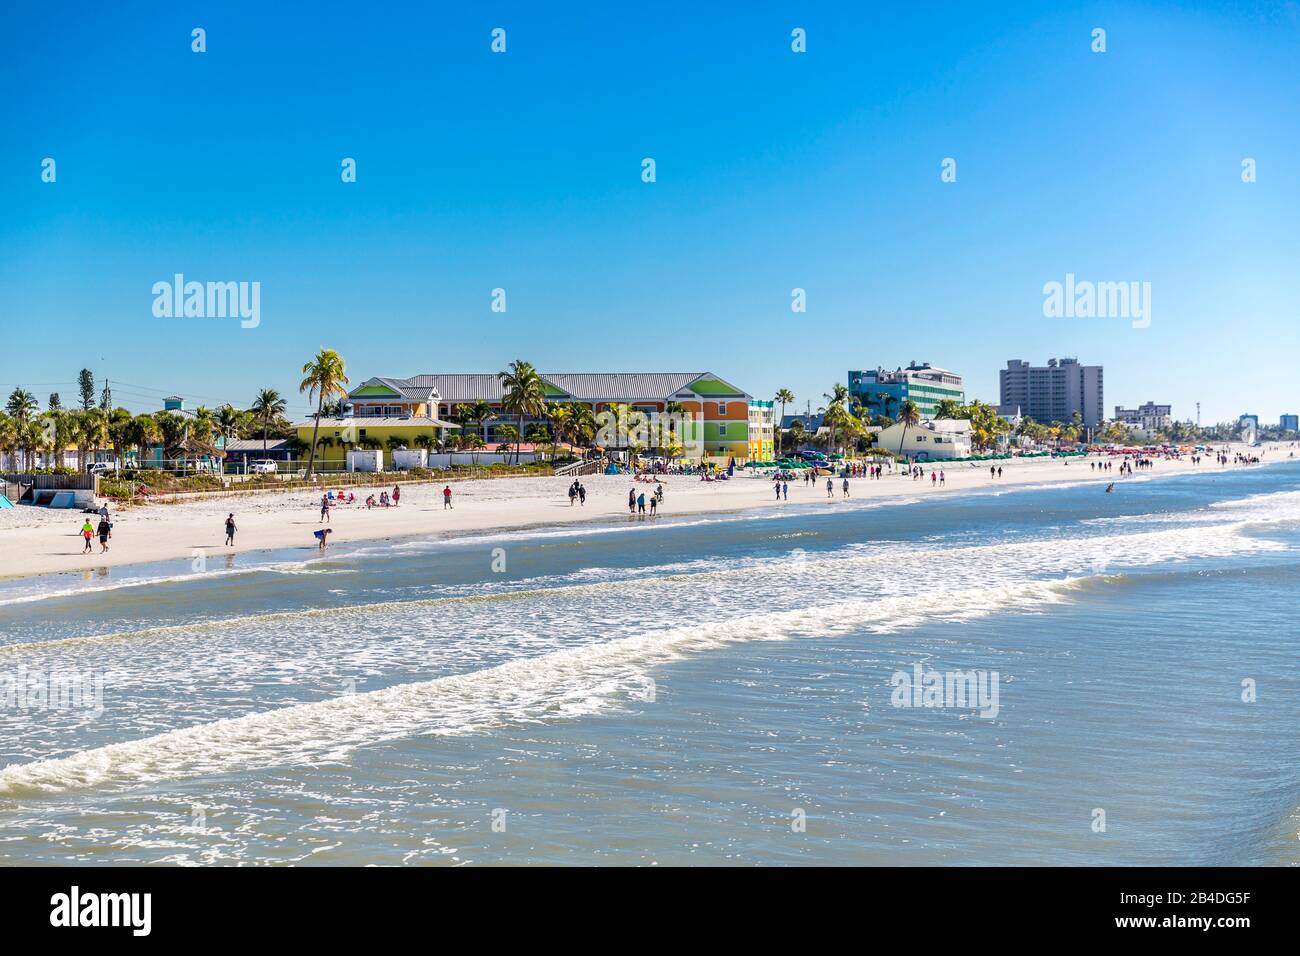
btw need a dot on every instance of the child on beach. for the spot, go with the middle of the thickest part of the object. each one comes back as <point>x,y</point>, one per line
<point>87,532</point>
<point>230,530</point>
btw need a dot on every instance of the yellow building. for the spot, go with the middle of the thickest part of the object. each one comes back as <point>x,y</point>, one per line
<point>338,436</point>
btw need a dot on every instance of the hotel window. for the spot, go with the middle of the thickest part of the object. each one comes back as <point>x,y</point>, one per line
<point>722,408</point>
<point>722,430</point>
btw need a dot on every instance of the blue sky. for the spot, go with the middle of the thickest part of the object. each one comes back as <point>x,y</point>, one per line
<point>775,170</point>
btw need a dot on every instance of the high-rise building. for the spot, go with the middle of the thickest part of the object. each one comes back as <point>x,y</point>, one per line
<point>1289,423</point>
<point>1055,391</point>
<point>881,392</point>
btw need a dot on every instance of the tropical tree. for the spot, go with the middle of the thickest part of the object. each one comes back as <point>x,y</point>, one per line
<point>909,413</point>
<point>267,407</point>
<point>508,435</point>
<point>92,425</point>
<point>8,436</point>
<point>230,422</point>
<point>119,425</point>
<point>949,408</point>
<point>55,403</point>
<point>324,378</point>
<point>475,413</point>
<point>22,405</point>
<point>474,443</point>
<point>203,425</point>
<point>525,395</point>
<point>142,432</point>
<point>785,397</point>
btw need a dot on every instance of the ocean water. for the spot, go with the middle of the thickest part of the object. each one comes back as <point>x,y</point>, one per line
<point>710,690</point>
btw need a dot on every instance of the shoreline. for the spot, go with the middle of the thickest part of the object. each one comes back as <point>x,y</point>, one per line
<point>284,521</point>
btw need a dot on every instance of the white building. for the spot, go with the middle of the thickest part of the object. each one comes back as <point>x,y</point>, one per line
<point>937,440</point>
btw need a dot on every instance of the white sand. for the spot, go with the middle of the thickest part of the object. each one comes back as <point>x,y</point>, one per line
<point>40,541</point>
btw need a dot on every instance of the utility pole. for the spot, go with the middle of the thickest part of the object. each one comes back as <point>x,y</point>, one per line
<point>1198,414</point>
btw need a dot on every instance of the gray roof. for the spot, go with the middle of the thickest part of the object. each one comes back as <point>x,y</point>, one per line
<point>376,421</point>
<point>255,444</point>
<point>582,386</point>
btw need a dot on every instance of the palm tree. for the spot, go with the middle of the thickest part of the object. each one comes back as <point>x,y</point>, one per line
<point>507,434</point>
<point>119,424</point>
<point>785,397</point>
<point>475,413</point>
<point>267,406</point>
<point>230,421</point>
<point>472,443</point>
<point>143,432</point>
<point>93,433</point>
<point>525,395</point>
<point>909,413</point>
<point>22,405</point>
<point>324,378</point>
<point>8,436</point>
<point>948,408</point>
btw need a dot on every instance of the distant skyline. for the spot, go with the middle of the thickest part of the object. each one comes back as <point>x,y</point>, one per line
<point>775,171</point>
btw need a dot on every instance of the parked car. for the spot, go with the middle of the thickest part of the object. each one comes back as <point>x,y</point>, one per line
<point>264,467</point>
<point>101,467</point>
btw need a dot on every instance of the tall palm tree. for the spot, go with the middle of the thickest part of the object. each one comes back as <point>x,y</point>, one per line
<point>119,424</point>
<point>909,413</point>
<point>324,378</point>
<point>948,408</point>
<point>785,397</point>
<point>267,407</point>
<point>525,395</point>
<point>230,421</point>
<point>22,404</point>
<point>143,432</point>
<point>93,426</point>
<point>475,413</point>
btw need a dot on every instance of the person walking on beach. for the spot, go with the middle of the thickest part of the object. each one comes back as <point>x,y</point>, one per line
<point>654,504</point>
<point>830,488</point>
<point>230,530</point>
<point>322,536</point>
<point>785,490</point>
<point>105,532</point>
<point>446,498</point>
<point>325,509</point>
<point>999,471</point>
<point>582,495</point>
<point>397,495</point>
<point>87,532</point>
<point>777,483</point>
<point>940,477</point>
<point>573,494</point>
<point>631,501</point>
<point>845,487</point>
<point>640,503</point>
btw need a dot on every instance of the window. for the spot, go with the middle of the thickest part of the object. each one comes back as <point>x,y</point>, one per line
<point>722,430</point>
<point>722,408</point>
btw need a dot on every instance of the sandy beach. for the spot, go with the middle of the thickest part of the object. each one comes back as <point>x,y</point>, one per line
<point>40,541</point>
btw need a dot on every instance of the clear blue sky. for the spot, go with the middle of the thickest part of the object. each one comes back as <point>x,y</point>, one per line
<point>775,170</point>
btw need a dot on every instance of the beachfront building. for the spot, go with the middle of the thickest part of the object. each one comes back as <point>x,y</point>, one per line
<point>1289,423</point>
<point>882,392</point>
<point>1149,417</point>
<point>339,435</point>
<point>389,410</point>
<point>762,430</point>
<point>1055,391</point>
<point>937,440</point>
